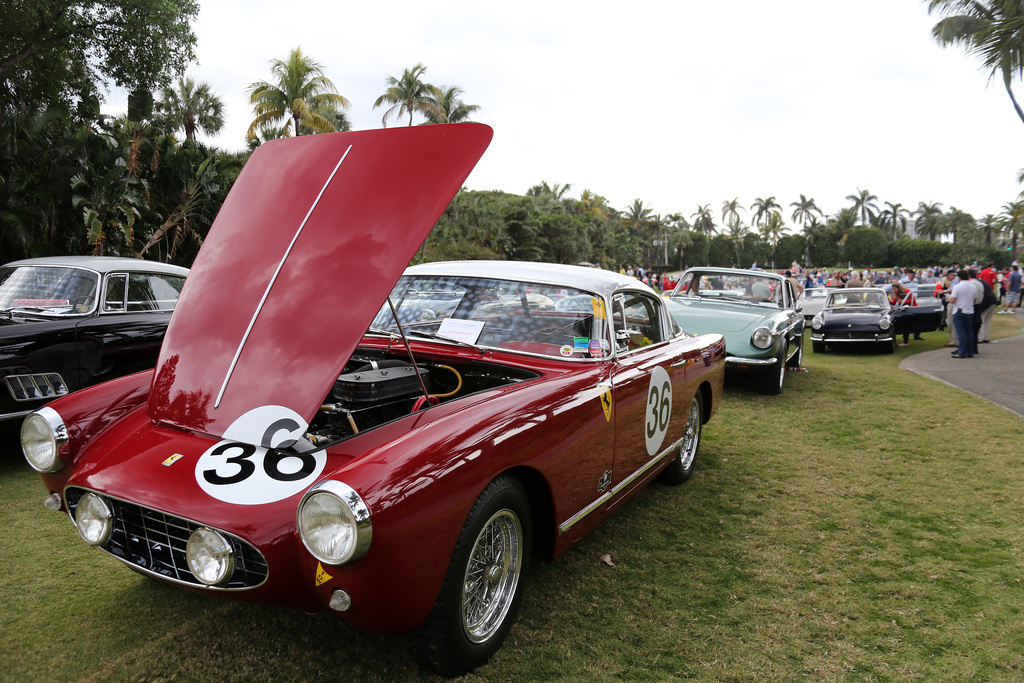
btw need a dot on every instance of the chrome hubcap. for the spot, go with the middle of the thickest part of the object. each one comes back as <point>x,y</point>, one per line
<point>688,451</point>
<point>492,576</point>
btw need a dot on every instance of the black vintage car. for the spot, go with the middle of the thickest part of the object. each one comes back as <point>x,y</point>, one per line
<point>863,315</point>
<point>69,322</point>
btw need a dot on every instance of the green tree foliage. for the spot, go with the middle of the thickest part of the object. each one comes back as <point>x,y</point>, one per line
<point>407,95</point>
<point>191,106</point>
<point>866,247</point>
<point>53,52</point>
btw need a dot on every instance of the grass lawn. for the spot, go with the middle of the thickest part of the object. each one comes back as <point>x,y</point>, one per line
<point>864,525</point>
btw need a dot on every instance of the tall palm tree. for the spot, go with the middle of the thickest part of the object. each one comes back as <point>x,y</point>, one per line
<point>928,223</point>
<point>894,217</point>
<point>762,208</point>
<point>300,94</point>
<point>737,235</point>
<point>405,95</point>
<point>804,210</point>
<point>992,30</point>
<point>865,205</point>
<point>731,211</point>
<point>638,216</point>
<point>191,106</point>
<point>444,106</point>
<point>771,229</point>
<point>703,221</point>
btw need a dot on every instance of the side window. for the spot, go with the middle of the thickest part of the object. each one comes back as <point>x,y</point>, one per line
<point>113,296</point>
<point>152,292</point>
<point>636,321</point>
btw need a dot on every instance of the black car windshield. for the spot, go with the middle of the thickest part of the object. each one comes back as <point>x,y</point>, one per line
<point>48,289</point>
<point>846,299</point>
<point>516,316</point>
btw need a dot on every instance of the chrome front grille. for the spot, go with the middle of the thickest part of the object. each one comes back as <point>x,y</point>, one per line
<point>154,542</point>
<point>36,386</point>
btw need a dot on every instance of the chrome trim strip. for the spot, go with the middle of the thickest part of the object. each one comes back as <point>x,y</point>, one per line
<point>750,361</point>
<point>14,416</point>
<point>590,509</point>
<point>270,285</point>
<point>840,340</point>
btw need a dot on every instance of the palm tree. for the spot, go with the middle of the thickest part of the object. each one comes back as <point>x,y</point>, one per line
<point>300,95</point>
<point>703,220</point>
<point>737,235</point>
<point>444,106</point>
<point>406,95</point>
<point>895,217</point>
<point>804,210</point>
<point>190,106</point>
<point>1013,222</point>
<point>731,211</point>
<point>771,229</point>
<point>989,226</point>
<point>638,217</point>
<point>865,205</point>
<point>762,207</point>
<point>992,30</point>
<point>928,223</point>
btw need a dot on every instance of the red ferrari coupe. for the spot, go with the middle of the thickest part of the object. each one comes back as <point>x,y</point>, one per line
<point>328,430</point>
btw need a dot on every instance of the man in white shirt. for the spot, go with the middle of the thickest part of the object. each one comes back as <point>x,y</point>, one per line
<point>962,298</point>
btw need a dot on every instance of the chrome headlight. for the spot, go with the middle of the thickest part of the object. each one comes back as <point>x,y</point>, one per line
<point>334,523</point>
<point>210,556</point>
<point>93,519</point>
<point>762,338</point>
<point>42,434</point>
<point>817,322</point>
<point>884,323</point>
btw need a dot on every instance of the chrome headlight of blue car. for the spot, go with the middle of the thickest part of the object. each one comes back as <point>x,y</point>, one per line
<point>762,338</point>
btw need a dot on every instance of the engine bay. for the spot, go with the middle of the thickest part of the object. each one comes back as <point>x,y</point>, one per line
<point>374,389</point>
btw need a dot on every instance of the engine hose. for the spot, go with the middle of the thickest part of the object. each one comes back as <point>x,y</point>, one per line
<point>457,387</point>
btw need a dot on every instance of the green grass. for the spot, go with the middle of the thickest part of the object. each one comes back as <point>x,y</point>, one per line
<point>863,526</point>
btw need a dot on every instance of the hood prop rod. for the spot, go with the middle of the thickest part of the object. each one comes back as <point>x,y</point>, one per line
<point>415,367</point>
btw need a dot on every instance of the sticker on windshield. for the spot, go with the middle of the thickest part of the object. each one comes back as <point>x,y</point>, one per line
<point>659,409</point>
<point>580,344</point>
<point>595,348</point>
<point>239,472</point>
<point>566,351</point>
<point>598,305</point>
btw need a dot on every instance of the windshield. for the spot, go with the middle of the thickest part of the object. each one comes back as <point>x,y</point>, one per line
<point>48,289</point>
<point>517,316</point>
<point>731,287</point>
<point>845,299</point>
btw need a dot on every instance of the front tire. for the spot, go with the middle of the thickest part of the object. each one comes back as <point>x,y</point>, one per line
<point>772,378</point>
<point>681,467</point>
<point>483,586</point>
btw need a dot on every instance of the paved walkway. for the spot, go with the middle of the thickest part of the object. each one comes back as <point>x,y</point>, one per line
<point>996,374</point>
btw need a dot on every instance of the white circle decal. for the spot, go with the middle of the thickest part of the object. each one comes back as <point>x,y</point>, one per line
<point>238,471</point>
<point>659,409</point>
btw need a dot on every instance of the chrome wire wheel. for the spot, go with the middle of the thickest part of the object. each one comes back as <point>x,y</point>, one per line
<point>691,437</point>
<point>492,575</point>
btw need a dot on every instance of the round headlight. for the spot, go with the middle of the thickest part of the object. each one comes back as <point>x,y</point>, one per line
<point>816,322</point>
<point>210,556</point>
<point>762,338</point>
<point>93,519</point>
<point>334,523</point>
<point>42,434</point>
<point>884,323</point>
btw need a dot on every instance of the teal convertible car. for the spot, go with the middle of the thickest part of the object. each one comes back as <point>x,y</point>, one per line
<point>756,310</point>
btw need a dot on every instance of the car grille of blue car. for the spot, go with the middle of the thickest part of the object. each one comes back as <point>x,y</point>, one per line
<point>35,387</point>
<point>154,543</point>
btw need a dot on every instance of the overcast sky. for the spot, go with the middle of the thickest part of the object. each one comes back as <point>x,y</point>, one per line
<point>676,103</point>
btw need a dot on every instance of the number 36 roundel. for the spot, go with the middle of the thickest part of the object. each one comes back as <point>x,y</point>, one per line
<point>659,409</point>
<point>236,471</point>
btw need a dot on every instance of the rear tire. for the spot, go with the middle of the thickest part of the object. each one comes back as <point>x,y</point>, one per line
<point>681,467</point>
<point>483,586</point>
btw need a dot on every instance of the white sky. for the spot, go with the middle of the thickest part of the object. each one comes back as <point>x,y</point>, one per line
<point>677,103</point>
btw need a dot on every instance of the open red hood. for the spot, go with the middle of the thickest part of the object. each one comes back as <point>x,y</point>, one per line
<point>306,248</point>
